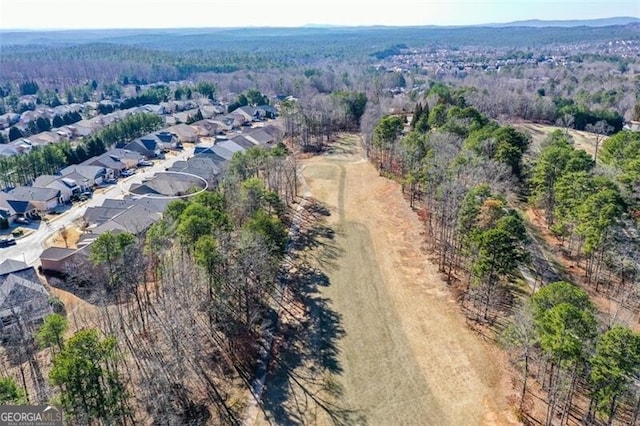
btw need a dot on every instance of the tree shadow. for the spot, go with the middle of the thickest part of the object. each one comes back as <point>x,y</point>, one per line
<point>301,379</point>
<point>301,382</point>
<point>85,288</point>
<point>315,240</point>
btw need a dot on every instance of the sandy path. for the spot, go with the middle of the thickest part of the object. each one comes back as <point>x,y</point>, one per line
<point>406,357</point>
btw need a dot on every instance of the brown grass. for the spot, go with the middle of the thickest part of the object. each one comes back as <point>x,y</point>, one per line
<point>539,132</point>
<point>407,356</point>
<point>73,235</point>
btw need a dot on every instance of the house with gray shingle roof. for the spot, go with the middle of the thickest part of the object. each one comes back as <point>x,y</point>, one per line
<point>149,148</point>
<point>66,185</point>
<point>231,146</point>
<point>84,176</point>
<point>203,166</point>
<point>242,141</point>
<point>184,133</point>
<point>42,199</point>
<point>24,301</point>
<point>167,184</point>
<point>260,137</point>
<point>6,210</point>
<point>115,161</point>
<point>61,260</point>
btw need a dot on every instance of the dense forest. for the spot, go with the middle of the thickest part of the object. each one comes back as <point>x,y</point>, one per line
<point>532,238</point>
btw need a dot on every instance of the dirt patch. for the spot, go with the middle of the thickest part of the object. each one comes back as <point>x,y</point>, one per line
<point>65,237</point>
<point>405,355</point>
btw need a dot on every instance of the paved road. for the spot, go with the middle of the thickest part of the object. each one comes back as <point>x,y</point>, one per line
<point>29,248</point>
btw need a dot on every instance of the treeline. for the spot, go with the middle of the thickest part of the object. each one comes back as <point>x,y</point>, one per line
<point>582,116</point>
<point>468,178</point>
<point>588,211</point>
<point>311,125</point>
<point>460,166</point>
<point>49,159</point>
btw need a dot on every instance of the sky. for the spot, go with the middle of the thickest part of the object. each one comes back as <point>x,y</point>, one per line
<point>72,14</point>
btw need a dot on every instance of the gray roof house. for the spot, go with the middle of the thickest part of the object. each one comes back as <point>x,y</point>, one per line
<point>115,160</point>
<point>42,199</point>
<point>134,220</point>
<point>149,148</point>
<point>249,113</point>
<point>24,302</point>
<point>184,133</point>
<point>231,146</point>
<point>85,176</point>
<point>66,185</point>
<point>61,260</point>
<point>167,184</point>
<point>260,137</point>
<point>203,166</point>
<point>241,140</point>
<point>6,210</point>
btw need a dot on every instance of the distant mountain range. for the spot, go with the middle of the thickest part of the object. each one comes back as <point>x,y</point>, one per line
<point>538,23</point>
<point>530,33</point>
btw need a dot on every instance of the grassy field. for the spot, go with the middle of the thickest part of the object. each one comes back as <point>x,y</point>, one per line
<point>392,347</point>
<point>539,132</point>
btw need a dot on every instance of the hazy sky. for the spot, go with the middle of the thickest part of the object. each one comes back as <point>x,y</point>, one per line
<point>56,14</point>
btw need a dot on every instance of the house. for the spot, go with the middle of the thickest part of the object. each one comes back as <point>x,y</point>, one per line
<point>115,161</point>
<point>184,133</point>
<point>234,121</point>
<point>260,136</point>
<point>78,130</point>
<point>45,138</point>
<point>203,166</point>
<point>168,140</point>
<point>249,113</point>
<point>148,148</point>
<point>266,111</point>
<point>61,260</point>
<point>131,215</point>
<point>24,301</point>
<point>208,111</point>
<point>231,146</point>
<point>8,119</point>
<point>167,184</point>
<point>85,176</point>
<point>7,211</point>
<point>67,186</point>
<point>40,199</point>
<point>208,127</point>
<point>243,141</point>
<point>217,154</point>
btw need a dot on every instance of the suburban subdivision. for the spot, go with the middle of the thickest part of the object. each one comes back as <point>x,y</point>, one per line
<point>349,225</point>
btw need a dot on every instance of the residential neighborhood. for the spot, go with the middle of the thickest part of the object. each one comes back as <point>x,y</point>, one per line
<point>125,189</point>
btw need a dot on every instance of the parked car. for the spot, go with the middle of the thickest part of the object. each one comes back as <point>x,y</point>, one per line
<point>144,163</point>
<point>6,242</point>
<point>126,173</point>
<point>109,181</point>
<point>23,220</point>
